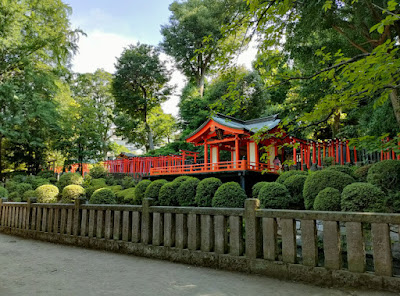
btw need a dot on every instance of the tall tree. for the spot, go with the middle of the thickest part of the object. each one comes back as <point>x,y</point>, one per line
<point>140,84</point>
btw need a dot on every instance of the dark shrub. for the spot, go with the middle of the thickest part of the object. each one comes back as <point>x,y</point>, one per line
<point>14,196</point>
<point>94,185</point>
<point>186,192</point>
<point>392,202</point>
<point>180,179</point>
<point>126,196</point>
<point>36,182</point>
<point>115,188</point>
<point>103,196</point>
<point>140,189</point>
<point>206,190</point>
<point>98,171</point>
<point>69,179</point>
<point>29,194</point>
<point>328,161</point>
<point>229,195</point>
<point>361,173</point>
<point>47,193</point>
<point>11,186</point>
<point>3,192</point>
<point>295,185</point>
<point>167,195</point>
<point>327,199</point>
<point>72,192</point>
<point>128,182</point>
<point>341,168</point>
<point>282,177</point>
<point>255,190</point>
<point>46,174</point>
<point>22,188</point>
<point>385,174</point>
<point>274,195</point>
<point>362,197</point>
<point>320,180</point>
<point>18,178</point>
<point>153,190</point>
<point>111,181</point>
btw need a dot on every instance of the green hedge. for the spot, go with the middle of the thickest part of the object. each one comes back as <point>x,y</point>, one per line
<point>385,174</point>
<point>22,188</point>
<point>320,180</point>
<point>11,186</point>
<point>295,185</point>
<point>103,196</point>
<point>14,196</point>
<point>128,182</point>
<point>47,194</point>
<point>72,192</point>
<point>153,190</point>
<point>98,171</point>
<point>29,194</point>
<point>206,190</point>
<point>167,195</point>
<point>255,190</point>
<point>3,192</point>
<point>274,195</point>
<point>93,184</point>
<point>140,190</point>
<point>127,196</point>
<point>186,192</point>
<point>328,199</point>
<point>362,197</point>
<point>361,173</point>
<point>36,182</point>
<point>69,179</point>
<point>180,179</point>
<point>282,177</point>
<point>229,195</point>
<point>46,174</point>
<point>341,168</point>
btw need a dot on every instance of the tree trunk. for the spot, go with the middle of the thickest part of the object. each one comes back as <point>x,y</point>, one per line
<point>336,123</point>
<point>201,85</point>
<point>394,98</point>
<point>150,136</point>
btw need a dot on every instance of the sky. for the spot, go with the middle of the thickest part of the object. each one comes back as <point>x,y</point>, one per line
<point>111,25</point>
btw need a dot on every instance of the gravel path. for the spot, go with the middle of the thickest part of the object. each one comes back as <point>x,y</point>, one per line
<point>29,267</point>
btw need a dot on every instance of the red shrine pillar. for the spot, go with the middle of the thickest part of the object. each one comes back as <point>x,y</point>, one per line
<point>301,157</point>
<point>355,154</point>
<point>237,156</point>
<point>347,152</point>
<point>205,154</point>
<point>319,155</point>
<point>314,154</point>
<point>294,153</point>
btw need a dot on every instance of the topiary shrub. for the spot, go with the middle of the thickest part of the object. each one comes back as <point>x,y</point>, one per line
<point>128,182</point>
<point>320,180</point>
<point>11,186</point>
<point>255,190</point>
<point>180,179</point>
<point>115,188</point>
<point>126,196</point>
<point>153,190</point>
<point>362,197</point>
<point>46,174</point>
<point>274,195</point>
<point>361,173</point>
<point>98,171</point>
<point>167,195</point>
<point>93,185</point>
<point>72,192</point>
<point>385,174</point>
<point>47,193</point>
<point>328,199</point>
<point>36,182</point>
<point>186,192</point>
<point>295,185</point>
<point>22,188</point>
<point>229,195</point>
<point>14,196</point>
<point>29,194</point>
<point>282,177</point>
<point>3,192</point>
<point>392,202</point>
<point>341,168</point>
<point>103,196</point>
<point>206,190</point>
<point>140,189</point>
<point>69,179</point>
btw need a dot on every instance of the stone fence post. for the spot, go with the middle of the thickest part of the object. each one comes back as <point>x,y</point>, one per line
<point>253,243</point>
<point>147,221</point>
<point>77,217</point>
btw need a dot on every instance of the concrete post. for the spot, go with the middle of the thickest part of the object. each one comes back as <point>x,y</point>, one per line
<point>147,221</point>
<point>252,228</point>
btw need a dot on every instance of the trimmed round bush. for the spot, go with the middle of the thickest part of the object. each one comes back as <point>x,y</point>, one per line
<point>103,196</point>
<point>328,199</point>
<point>167,195</point>
<point>72,192</point>
<point>115,188</point>
<point>22,188</point>
<point>206,190</point>
<point>153,190</point>
<point>93,185</point>
<point>29,194</point>
<point>229,195</point>
<point>47,193</point>
<point>69,179</point>
<point>341,168</point>
<point>98,171</point>
<point>128,182</point>
<point>385,174</point>
<point>321,180</point>
<point>14,196</point>
<point>180,179</point>
<point>186,192</point>
<point>274,195</point>
<point>361,173</point>
<point>11,186</point>
<point>3,192</point>
<point>127,196</point>
<point>140,189</point>
<point>295,185</point>
<point>255,190</point>
<point>282,177</point>
<point>18,178</point>
<point>362,197</point>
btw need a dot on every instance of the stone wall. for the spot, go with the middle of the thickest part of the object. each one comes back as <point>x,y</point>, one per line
<point>322,248</point>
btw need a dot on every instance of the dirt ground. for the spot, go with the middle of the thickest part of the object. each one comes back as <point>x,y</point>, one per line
<point>29,267</point>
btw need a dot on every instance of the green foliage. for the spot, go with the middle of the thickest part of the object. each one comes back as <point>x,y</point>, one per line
<point>11,186</point>
<point>72,192</point>
<point>385,174</point>
<point>115,188</point>
<point>140,190</point>
<point>206,190</point>
<point>98,171</point>
<point>328,161</point>
<point>229,195</point>
<point>282,177</point>
<point>45,174</point>
<point>36,182</point>
<point>69,179</point>
<point>18,178</point>
<point>274,195</point>
<point>127,196</point>
<point>341,168</point>
<point>153,190</point>
<point>361,173</point>
<point>167,195</point>
<point>328,199</point>
<point>321,180</point>
<point>14,197</point>
<point>103,196</point>
<point>22,188</point>
<point>186,192</point>
<point>362,197</point>
<point>180,179</point>
<point>3,192</point>
<point>256,189</point>
<point>47,194</point>
<point>93,185</point>
<point>295,185</point>
<point>128,182</point>
<point>28,194</point>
